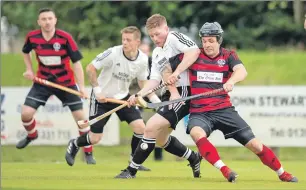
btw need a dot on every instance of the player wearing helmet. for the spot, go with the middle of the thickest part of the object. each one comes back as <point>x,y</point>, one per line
<point>217,67</point>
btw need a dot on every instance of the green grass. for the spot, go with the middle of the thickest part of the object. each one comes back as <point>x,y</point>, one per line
<point>274,67</point>
<point>264,68</point>
<point>164,175</point>
<point>44,168</point>
<point>55,154</point>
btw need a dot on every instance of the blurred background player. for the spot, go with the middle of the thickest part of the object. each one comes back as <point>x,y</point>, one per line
<point>305,22</point>
<point>120,65</point>
<point>158,128</point>
<point>224,69</point>
<point>54,49</point>
<point>147,114</point>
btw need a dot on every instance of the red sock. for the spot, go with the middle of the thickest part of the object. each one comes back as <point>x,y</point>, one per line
<point>269,159</point>
<point>208,151</point>
<point>30,128</point>
<point>81,132</point>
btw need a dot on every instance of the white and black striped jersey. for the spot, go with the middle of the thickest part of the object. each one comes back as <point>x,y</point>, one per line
<point>118,71</point>
<point>176,43</point>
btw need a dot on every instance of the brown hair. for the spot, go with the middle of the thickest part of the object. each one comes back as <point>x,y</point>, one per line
<point>155,20</point>
<point>132,30</point>
<point>43,10</point>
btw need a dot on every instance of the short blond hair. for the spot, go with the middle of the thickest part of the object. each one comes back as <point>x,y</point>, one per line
<point>155,20</point>
<point>132,30</point>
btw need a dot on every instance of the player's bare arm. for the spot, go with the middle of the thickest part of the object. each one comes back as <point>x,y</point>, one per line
<point>166,73</point>
<point>189,58</point>
<point>92,77</point>
<point>149,84</point>
<point>305,22</point>
<point>239,74</point>
<point>28,74</point>
<point>152,97</point>
<point>79,74</point>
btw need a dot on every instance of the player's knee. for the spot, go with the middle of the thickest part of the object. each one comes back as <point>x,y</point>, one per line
<point>155,125</point>
<point>254,145</point>
<point>78,115</point>
<point>138,126</point>
<point>197,133</point>
<point>27,113</point>
<point>247,138</point>
<point>95,137</point>
<point>162,140</point>
<point>138,130</point>
<point>150,131</point>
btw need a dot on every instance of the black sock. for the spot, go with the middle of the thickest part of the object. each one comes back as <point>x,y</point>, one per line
<point>135,141</point>
<point>158,153</point>
<point>143,150</point>
<point>83,140</point>
<point>174,146</point>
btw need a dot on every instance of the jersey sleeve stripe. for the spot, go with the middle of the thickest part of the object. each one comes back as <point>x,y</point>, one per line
<point>183,40</point>
<point>102,56</point>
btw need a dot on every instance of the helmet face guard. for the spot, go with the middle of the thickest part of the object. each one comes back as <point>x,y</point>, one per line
<point>212,29</point>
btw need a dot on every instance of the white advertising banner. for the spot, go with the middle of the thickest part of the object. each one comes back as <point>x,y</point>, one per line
<point>276,114</point>
<point>54,122</point>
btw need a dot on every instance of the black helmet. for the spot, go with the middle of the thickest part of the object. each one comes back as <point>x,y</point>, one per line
<point>212,29</point>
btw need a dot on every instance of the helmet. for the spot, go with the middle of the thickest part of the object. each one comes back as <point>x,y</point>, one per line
<point>212,29</point>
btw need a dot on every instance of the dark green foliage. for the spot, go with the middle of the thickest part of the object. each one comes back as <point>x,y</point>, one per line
<point>97,24</point>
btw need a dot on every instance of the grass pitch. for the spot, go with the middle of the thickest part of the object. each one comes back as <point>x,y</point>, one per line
<point>164,175</point>
<point>44,168</point>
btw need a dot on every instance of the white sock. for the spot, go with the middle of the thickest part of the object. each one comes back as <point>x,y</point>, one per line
<point>280,171</point>
<point>219,164</point>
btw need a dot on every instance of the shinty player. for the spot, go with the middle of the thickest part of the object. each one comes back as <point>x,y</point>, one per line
<point>120,65</point>
<point>54,49</point>
<point>159,126</point>
<point>216,68</point>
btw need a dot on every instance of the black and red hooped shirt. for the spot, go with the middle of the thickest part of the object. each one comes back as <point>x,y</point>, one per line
<point>54,55</point>
<point>207,74</point>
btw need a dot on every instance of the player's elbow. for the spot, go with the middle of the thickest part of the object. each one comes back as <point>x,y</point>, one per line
<point>194,53</point>
<point>245,73</point>
<point>197,52</point>
<point>90,68</point>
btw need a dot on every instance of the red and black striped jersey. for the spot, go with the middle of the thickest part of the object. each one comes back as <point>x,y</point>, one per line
<point>54,55</point>
<point>207,74</point>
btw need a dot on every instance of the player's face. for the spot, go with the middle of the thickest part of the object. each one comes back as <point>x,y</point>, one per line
<point>47,21</point>
<point>129,42</point>
<point>159,35</point>
<point>210,46</point>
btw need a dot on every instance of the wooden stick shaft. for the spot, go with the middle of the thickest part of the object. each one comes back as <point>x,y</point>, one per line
<point>95,120</point>
<point>54,85</point>
<point>111,100</point>
<point>155,89</point>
